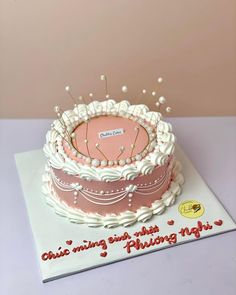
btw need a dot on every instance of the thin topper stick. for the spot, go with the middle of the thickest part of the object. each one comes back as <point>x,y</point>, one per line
<point>135,139</point>
<point>104,78</point>
<point>101,152</point>
<point>91,101</point>
<point>58,109</point>
<point>122,149</point>
<point>67,89</point>
<point>62,136</point>
<point>59,115</point>
<point>81,98</point>
<point>86,139</point>
<point>74,142</point>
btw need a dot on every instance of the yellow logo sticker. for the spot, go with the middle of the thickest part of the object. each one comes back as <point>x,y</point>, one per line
<point>191,209</point>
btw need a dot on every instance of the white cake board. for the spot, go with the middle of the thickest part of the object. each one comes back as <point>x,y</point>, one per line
<point>52,231</point>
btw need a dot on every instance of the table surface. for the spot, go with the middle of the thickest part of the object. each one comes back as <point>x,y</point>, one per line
<point>207,266</point>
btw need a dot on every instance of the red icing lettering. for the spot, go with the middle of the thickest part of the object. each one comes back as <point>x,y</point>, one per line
<point>196,231</point>
<point>116,238</point>
<point>50,255</point>
<point>138,245</point>
<point>89,244</point>
<point>144,231</point>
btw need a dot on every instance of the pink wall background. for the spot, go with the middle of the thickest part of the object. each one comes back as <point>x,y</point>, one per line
<point>45,45</point>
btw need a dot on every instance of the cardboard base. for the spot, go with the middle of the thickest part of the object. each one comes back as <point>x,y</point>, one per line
<point>64,248</point>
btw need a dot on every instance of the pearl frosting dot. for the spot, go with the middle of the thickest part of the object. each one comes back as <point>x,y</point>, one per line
<point>162,99</point>
<point>95,162</point>
<point>168,109</point>
<point>103,163</point>
<point>124,89</point>
<point>122,162</point>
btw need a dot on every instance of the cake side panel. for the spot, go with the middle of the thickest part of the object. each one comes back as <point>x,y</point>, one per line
<point>112,197</point>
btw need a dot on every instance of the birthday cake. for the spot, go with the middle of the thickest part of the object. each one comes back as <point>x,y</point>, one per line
<point>110,163</point>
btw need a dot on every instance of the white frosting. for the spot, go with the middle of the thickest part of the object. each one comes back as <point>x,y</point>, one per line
<point>112,220</point>
<point>58,159</point>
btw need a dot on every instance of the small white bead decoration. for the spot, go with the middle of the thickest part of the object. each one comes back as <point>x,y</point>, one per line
<point>67,88</point>
<point>160,80</point>
<point>157,104</point>
<point>91,94</point>
<point>124,89</point>
<point>88,160</point>
<point>56,109</point>
<point>103,77</point>
<point>121,162</point>
<point>75,193</point>
<point>144,91</point>
<point>107,96</point>
<point>95,162</point>
<point>130,195</point>
<point>110,163</point>
<point>101,192</point>
<point>168,109</point>
<point>75,202</point>
<point>72,135</point>
<point>153,143</point>
<point>86,141</point>
<point>129,205</point>
<point>138,157</point>
<point>144,153</point>
<point>151,148</point>
<point>154,93</point>
<point>103,163</point>
<point>162,99</point>
<point>128,160</point>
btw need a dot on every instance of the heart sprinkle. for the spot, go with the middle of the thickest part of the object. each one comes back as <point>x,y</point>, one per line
<point>69,242</point>
<point>103,254</point>
<point>170,222</point>
<point>218,222</point>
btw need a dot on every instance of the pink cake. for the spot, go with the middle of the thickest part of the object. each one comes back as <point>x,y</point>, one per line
<point>110,164</point>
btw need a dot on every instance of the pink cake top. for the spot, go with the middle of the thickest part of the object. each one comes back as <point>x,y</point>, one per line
<point>110,138</point>
<point>111,135</point>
